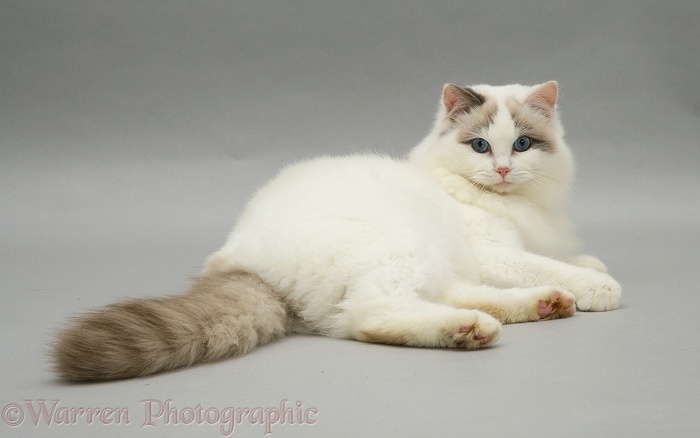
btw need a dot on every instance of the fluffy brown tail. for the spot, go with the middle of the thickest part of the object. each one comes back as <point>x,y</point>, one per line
<point>224,314</point>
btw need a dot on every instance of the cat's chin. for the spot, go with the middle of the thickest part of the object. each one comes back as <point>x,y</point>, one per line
<point>502,187</point>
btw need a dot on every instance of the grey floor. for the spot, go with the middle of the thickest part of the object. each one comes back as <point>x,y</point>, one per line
<point>132,133</point>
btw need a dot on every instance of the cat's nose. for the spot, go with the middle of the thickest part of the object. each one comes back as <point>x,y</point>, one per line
<point>503,171</point>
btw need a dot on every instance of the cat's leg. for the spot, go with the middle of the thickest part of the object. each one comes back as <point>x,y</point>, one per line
<point>509,267</point>
<point>588,261</point>
<point>415,322</point>
<point>511,305</point>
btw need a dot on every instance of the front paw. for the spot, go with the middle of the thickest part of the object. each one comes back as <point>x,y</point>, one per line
<point>597,292</point>
<point>553,303</point>
<point>588,261</point>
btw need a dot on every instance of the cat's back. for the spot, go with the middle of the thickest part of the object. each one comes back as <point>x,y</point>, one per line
<point>356,185</point>
<point>346,207</point>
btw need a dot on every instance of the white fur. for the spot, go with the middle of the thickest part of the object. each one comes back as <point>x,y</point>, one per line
<point>368,243</point>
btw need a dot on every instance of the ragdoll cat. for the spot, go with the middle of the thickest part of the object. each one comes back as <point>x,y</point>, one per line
<point>436,250</point>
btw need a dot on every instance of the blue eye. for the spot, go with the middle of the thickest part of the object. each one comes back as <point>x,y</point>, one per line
<point>522,144</point>
<point>480,145</point>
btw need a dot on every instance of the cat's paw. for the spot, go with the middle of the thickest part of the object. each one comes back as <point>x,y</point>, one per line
<point>471,335</point>
<point>553,304</point>
<point>598,293</point>
<point>588,261</point>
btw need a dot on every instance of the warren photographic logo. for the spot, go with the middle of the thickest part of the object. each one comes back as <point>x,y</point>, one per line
<point>159,413</point>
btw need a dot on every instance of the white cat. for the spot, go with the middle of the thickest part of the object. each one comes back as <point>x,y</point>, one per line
<point>436,250</point>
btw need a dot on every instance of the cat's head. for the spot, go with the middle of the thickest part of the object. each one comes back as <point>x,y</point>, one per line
<point>505,139</point>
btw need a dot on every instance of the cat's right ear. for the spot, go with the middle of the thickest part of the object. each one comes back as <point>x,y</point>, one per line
<point>543,98</point>
<point>458,100</point>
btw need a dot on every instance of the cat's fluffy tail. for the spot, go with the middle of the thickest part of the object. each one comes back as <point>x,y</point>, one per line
<point>224,314</point>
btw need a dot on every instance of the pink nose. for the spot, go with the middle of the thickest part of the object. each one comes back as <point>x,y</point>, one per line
<point>503,171</point>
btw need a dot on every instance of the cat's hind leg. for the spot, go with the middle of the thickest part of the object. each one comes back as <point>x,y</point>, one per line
<point>511,305</point>
<point>415,322</point>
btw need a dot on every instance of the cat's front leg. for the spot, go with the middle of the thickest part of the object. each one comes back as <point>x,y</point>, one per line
<point>588,261</point>
<point>509,267</point>
<point>596,291</point>
<point>510,305</point>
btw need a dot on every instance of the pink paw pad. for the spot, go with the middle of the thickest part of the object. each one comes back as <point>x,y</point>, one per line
<point>544,309</point>
<point>465,332</point>
<point>555,306</point>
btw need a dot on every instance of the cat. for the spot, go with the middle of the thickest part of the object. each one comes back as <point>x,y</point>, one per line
<point>438,249</point>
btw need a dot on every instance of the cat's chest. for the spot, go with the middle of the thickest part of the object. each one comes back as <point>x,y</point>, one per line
<point>541,231</point>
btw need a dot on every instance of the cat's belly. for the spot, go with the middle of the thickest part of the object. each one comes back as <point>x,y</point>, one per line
<point>323,229</point>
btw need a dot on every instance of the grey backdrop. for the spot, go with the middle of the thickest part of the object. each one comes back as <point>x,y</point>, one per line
<point>132,133</point>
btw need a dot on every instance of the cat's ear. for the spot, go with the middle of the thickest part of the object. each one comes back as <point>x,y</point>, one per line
<point>543,98</point>
<point>459,100</point>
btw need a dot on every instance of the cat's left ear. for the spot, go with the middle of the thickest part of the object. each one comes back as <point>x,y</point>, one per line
<point>543,98</point>
<point>459,100</point>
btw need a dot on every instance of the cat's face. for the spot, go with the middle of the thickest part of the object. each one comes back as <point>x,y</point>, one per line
<point>502,139</point>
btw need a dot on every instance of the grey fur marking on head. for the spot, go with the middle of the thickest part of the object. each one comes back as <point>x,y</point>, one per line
<point>532,124</point>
